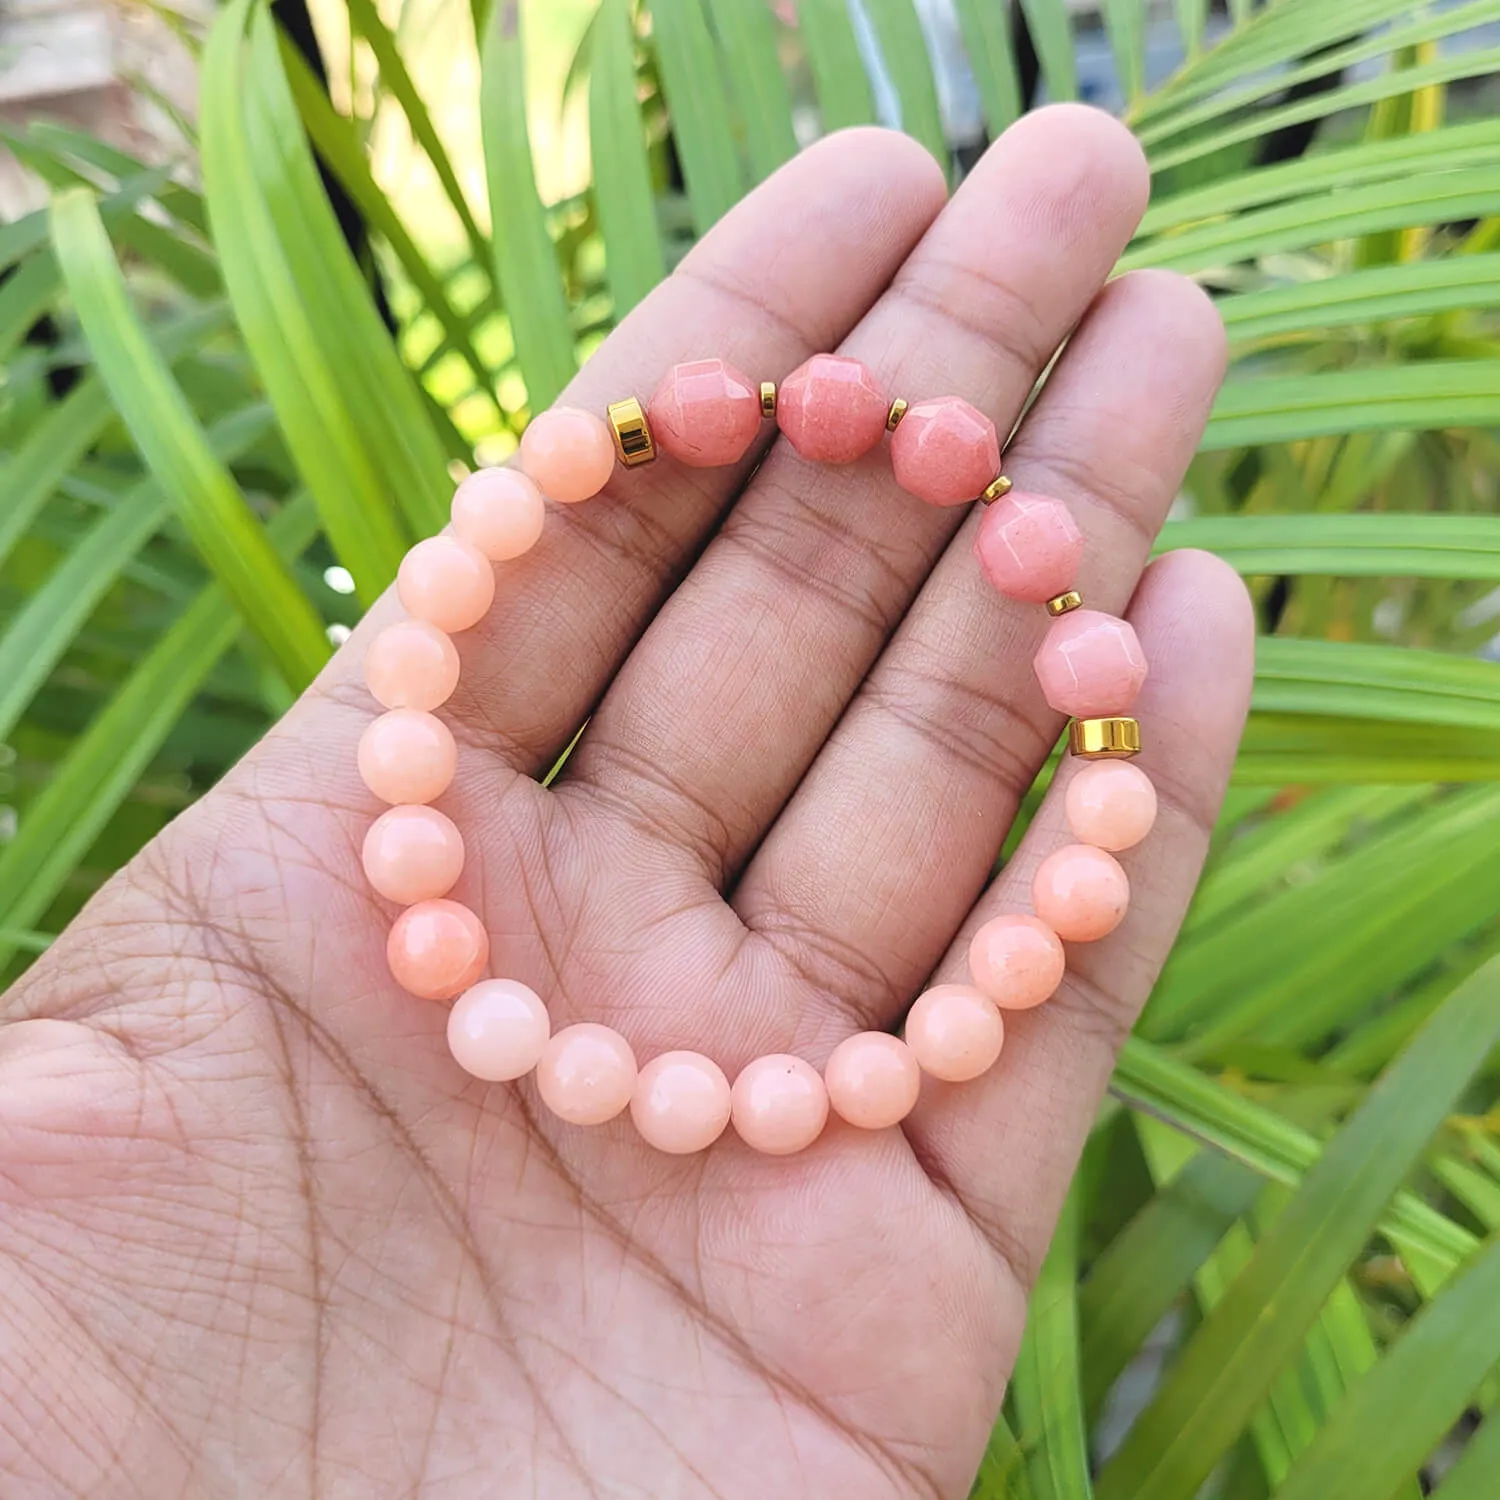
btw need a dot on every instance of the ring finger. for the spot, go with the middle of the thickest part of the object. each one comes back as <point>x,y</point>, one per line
<point>951,726</point>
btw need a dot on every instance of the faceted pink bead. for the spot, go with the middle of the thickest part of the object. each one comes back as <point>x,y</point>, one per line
<point>569,453</point>
<point>1110,804</point>
<point>1018,961</point>
<point>407,756</point>
<point>955,1032</point>
<point>1030,547</point>
<point>413,854</point>
<point>1090,665</point>
<point>446,582</point>
<point>945,451</point>
<point>779,1104</point>
<point>411,664</point>
<point>705,413</point>
<point>497,1030</point>
<point>586,1074</point>
<point>499,511</point>
<point>437,949</point>
<point>681,1102</point>
<point>832,410</point>
<point>1081,893</point>
<point>872,1080</point>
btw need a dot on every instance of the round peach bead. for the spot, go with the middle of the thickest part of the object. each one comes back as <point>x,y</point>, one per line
<point>1018,961</point>
<point>955,1032</point>
<point>497,1030</point>
<point>831,409</point>
<point>1029,547</point>
<point>586,1074</point>
<point>1110,804</point>
<point>407,756</point>
<point>569,453</point>
<point>681,1102</point>
<point>872,1080</point>
<point>779,1104</point>
<point>413,854</point>
<point>945,451</point>
<point>446,582</point>
<point>500,512</point>
<point>411,664</point>
<point>705,413</point>
<point>437,949</point>
<point>1081,893</point>
<point>1090,665</point>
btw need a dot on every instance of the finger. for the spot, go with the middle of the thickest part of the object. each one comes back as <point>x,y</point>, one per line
<point>786,272</point>
<point>716,716</point>
<point>951,726</point>
<point>1007,1144</point>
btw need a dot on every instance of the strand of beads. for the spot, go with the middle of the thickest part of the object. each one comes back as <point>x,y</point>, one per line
<point>707,413</point>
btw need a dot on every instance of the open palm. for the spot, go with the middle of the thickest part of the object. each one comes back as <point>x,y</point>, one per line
<point>259,1234</point>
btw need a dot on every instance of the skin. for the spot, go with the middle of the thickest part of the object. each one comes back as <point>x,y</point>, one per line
<point>258,1235</point>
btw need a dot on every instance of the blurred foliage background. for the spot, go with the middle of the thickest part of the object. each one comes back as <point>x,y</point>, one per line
<point>237,383</point>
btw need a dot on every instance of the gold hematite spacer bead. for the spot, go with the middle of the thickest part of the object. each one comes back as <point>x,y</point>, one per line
<point>894,415</point>
<point>1065,604</point>
<point>768,399</point>
<point>1105,739</point>
<point>633,441</point>
<point>997,487</point>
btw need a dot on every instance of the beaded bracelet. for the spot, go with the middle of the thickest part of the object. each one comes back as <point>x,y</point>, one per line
<point>707,413</point>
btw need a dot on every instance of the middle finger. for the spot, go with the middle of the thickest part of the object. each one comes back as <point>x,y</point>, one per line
<point>719,711</point>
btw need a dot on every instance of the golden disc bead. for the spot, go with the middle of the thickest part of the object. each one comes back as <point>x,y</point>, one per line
<point>1065,604</point>
<point>768,399</point>
<point>632,433</point>
<point>1105,739</point>
<point>893,417</point>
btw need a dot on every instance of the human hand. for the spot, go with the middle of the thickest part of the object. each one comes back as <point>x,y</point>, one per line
<point>261,1236</point>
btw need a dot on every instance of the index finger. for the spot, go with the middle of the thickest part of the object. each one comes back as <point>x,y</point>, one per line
<point>785,273</point>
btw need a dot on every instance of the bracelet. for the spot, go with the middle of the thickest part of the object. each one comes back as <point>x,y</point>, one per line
<point>706,413</point>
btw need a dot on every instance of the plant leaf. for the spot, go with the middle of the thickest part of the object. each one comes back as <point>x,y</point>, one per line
<point>107,760</point>
<point>839,77</point>
<point>526,267</point>
<point>622,175</point>
<point>692,85</point>
<point>1399,1411</point>
<point>1221,1376</point>
<point>41,630</point>
<point>162,425</point>
<point>747,45</point>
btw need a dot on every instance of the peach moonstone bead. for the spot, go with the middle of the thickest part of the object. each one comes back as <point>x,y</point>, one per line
<point>1110,804</point>
<point>1029,547</point>
<point>1018,961</point>
<point>497,1030</point>
<point>437,949</point>
<point>872,1080</point>
<point>705,413</point>
<point>1081,893</point>
<point>955,1032</point>
<point>446,582</point>
<point>499,511</point>
<point>407,756</point>
<point>1090,665</point>
<point>945,451</point>
<point>413,854</point>
<point>681,1102</point>
<point>569,453</point>
<point>832,410</point>
<point>411,664</point>
<point>779,1104</point>
<point>586,1074</point>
